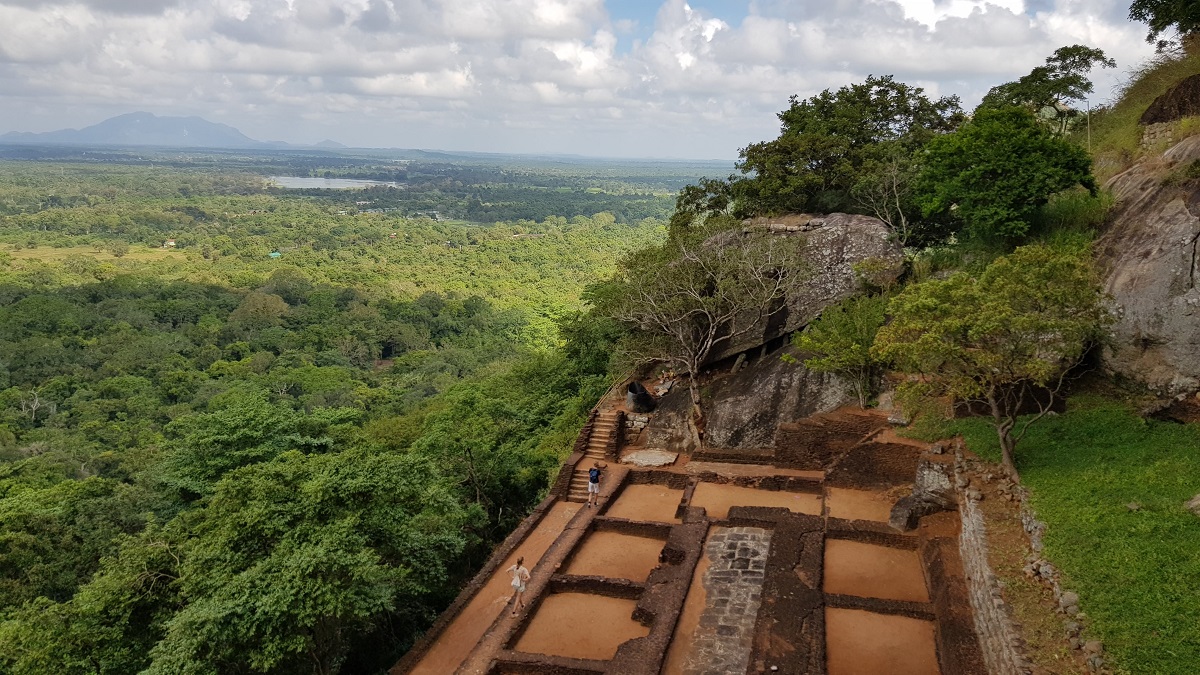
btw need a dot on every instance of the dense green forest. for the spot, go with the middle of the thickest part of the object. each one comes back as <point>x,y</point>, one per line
<point>474,188</point>
<point>282,441</point>
<point>245,429</point>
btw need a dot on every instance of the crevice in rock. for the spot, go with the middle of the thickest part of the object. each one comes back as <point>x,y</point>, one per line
<point>1192,271</point>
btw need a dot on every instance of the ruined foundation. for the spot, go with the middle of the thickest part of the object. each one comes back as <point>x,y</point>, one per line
<point>787,567</point>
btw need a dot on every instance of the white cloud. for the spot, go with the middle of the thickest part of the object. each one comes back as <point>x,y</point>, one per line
<point>515,75</point>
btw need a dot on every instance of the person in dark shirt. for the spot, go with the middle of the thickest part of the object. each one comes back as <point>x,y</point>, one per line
<point>594,482</point>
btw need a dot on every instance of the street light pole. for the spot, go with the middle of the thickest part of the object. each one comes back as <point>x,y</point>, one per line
<point>1089,124</point>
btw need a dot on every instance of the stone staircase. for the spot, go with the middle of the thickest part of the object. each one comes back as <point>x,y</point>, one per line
<point>604,430</point>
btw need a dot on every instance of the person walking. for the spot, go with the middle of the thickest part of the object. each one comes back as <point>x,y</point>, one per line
<point>520,576</point>
<point>594,482</point>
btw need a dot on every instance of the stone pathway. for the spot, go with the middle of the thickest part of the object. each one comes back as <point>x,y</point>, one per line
<point>733,584</point>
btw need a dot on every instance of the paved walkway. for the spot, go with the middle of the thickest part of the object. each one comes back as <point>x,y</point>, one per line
<point>733,585</point>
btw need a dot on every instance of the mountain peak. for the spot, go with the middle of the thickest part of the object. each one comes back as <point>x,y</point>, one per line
<point>144,128</point>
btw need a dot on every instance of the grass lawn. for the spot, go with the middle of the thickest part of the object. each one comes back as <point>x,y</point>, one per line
<point>1137,572</point>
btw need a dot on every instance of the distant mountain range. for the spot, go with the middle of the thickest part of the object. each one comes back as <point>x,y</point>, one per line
<point>143,128</point>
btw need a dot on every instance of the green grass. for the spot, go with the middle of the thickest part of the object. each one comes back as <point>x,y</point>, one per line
<point>1138,573</point>
<point>1072,212</point>
<point>1116,134</point>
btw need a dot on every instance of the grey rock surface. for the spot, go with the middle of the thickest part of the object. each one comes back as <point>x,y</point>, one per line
<point>647,458</point>
<point>744,409</point>
<point>933,492</point>
<point>833,244</point>
<point>668,428</point>
<point>1151,267</point>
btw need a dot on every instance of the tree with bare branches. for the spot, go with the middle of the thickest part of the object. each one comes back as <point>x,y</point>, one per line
<point>885,191</point>
<point>687,298</point>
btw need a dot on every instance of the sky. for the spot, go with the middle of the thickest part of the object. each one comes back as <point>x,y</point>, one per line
<point>613,78</point>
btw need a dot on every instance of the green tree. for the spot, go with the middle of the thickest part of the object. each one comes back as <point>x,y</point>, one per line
<point>840,340</point>
<point>1047,90</point>
<point>696,203</point>
<point>826,141</point>
<point>1000,339</point>
<point>258,311</point>
<point>1182,16</point>
<point>245,428</point>
<point>293,559</point>
<point>997,171</point>
<point>118,248</point>
<point>110,625</point>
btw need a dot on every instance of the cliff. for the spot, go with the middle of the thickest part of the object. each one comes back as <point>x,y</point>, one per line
<point>1150,263</point>
<point>833,245</point>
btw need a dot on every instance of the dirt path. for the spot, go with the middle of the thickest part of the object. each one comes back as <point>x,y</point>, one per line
<point>457,640</point>
<point>479,656</point>
<point>859,504</point>
<point>871,571</point>
<point>649,503</point>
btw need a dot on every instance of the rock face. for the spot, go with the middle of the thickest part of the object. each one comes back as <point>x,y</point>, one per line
<point>638,399</point>
<point>933,491</point>
<point>1151,265</point>
<point>1181,100</point>
<point>834,243</point>
<point>744,409</point>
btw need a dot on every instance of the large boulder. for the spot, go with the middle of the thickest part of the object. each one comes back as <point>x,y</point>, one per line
<point>1182,100</point>
<point>1151,265</point>
<point>833,244</point>
<point>742,410</point>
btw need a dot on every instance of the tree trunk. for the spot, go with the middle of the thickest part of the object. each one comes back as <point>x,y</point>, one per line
<point>697,411</point>
<point>1003,420</point>
<point>1006,452</point>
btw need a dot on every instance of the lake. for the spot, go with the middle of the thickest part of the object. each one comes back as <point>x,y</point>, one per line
<point>307,183</point>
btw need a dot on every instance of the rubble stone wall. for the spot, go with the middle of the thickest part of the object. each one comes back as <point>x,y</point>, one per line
<point>997,637</point>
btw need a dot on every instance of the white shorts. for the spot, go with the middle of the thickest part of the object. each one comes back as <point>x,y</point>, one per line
<point>593,488</point>
<point>519,586</point>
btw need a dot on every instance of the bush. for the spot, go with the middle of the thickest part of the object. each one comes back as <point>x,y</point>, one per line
<point>840,342</point>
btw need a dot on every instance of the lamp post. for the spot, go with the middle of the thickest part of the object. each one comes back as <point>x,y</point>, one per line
<point>1089,124</point>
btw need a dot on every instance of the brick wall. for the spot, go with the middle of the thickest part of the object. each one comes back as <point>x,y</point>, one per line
<point>998,638</point>
<point>1154,134</point>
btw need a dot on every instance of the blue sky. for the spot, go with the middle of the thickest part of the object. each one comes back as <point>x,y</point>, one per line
<point>641,14</point>
<point>634,78</point>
